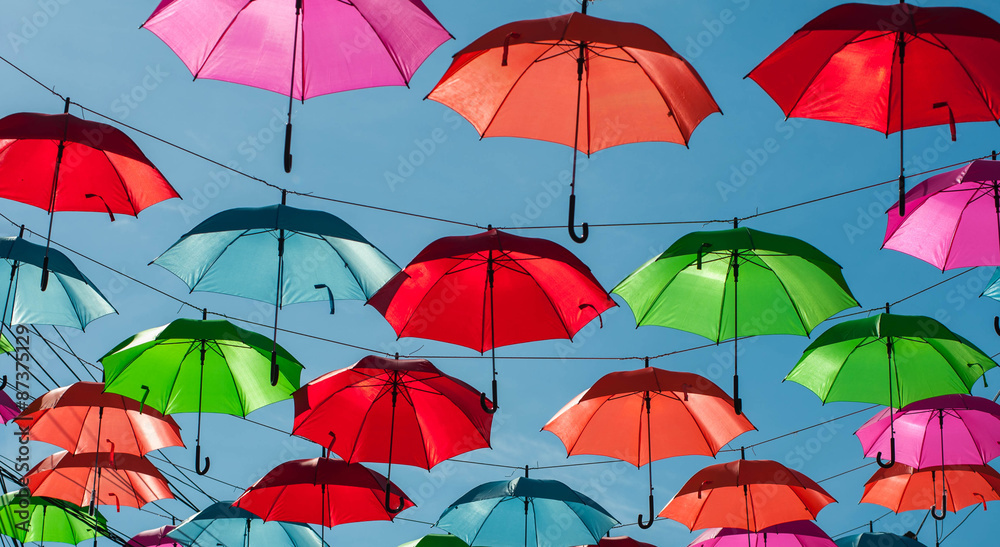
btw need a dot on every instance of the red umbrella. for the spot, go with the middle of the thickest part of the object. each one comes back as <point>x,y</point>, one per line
<point>746,494</point>
<point>125,480</point>
<point>429,416</point>
<point>104,170</point>
<point>614,418</point>
<point>630,86</point>
<point>83,418</point>
<point>848,65</point>
<point>903,488</point>
<point>620,541</point>
<point>489,290</point>
<point>323,491</point>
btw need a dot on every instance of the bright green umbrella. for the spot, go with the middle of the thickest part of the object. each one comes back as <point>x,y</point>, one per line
<point>47,519</point>
<point>437,540</point>
<point>738,282</point>
<point>889,360</point>
<point>5,346</point>
<point>170,367</point>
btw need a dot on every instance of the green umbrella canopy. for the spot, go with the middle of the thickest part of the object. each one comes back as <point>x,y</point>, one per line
<point>167,360</point>
<point>850,361</point>
<point>46,519</point>
<point>786,286</point>
<point>5,346</point>
<point>437,540</point>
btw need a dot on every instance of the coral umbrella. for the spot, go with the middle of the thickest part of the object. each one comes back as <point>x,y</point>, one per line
<point>747,494</point>
<point>106,171</point>
<point>157,537</point>
<point>903,488</point>
<point>741,282</point>
<point>392,411</point>
<point>630,86</point>
<point>223,524</point>
<point>614,418</point>
<point>38,519</point>
<point>298,48</point>
<point>799,533</point>
<point>888,68</point>
<point>489,290</point>
<point>123,480</point>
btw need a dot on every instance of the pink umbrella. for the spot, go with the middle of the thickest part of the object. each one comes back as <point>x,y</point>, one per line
<point>8,408</point>
<point>156,537</point>
<point>299,49</point>
<point>945,430</point>
<point>799,533</point>
<point>952,219</point>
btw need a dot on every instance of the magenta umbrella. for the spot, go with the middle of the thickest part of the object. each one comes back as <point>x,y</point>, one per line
<point>8,408</point>
<point>952,219</point>
<point>298,48</point>
<point>156,537</point>
<point>799,533</point>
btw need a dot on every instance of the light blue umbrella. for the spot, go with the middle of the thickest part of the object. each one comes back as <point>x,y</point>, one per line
<point>526,512</point>
<point>993,287</point>
<point>70,301</point>
<point>877,539</point>
<point>280,255</point>
<point>223,524</point>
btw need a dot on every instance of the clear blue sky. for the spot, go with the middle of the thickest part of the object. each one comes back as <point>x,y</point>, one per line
<point>347,144</point>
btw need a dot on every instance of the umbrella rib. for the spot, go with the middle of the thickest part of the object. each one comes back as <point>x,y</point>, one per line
<point>821,68</point>
<point>458,262</point>
<point>239,394</point>
<point>217,257</point>
<point>221,37</point>
<point>671,111</point>
<point>511,90</point>
<point>639,320</point>
<point>722,305</point>
<point>385,46</point>
<point>971,80</point>
<point>364,420</point>
<point>348,266</point>
<point>128,195</point>
<point>798,312</point>
<point>549,299</point>
<point>961,214</point>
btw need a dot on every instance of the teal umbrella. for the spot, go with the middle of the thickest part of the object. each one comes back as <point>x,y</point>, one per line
<point>222,524</point>
<point>280,255</point>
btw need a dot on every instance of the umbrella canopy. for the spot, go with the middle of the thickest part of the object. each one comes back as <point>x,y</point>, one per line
<point>436,540</point>
<point>614,418</point>
<point>746,494</point>
<point>165,367</point>
<point>888,68</point>
<point>788,287</point>
<point>903,488</point>
<point>953,219</point>
<point>944,430</point>
<point>324,491</point>
<point>629,86</point>
<point>74,300</point>
<point>525,511</point>
<point>124,480</point>
<point>281,255</point>
<point>877,539</point>
<point>799,533</point>
<point>490,290</point>
<point>222,524</point>
<point>156,537</point>
<point>83,417</point>
<point>8,408</point>
<point>993,287</point>
<point>38,519</point>
<point>620,541</point>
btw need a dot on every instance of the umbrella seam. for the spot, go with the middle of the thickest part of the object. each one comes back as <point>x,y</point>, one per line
<point>121,180</point>
<point>221,37</point>
<point>510,90</point>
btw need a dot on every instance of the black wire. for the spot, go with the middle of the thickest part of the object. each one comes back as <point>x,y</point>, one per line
<point>31,357</point>
<point>56,353</point>
<point>73,353</point>
<point>960,523</point>
<point>845,532</point>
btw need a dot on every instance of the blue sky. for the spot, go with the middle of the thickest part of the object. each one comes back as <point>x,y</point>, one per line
<point>389,148</point>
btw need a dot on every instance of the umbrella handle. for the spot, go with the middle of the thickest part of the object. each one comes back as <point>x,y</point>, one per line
<point>571,226</point>
<point>646,525</point>
<point>944,511</point>
<point>4,383</point>
<point>197,461</point>
<point>118,503</point>
<point>274,368</point>
<point>892,456</point>
<point>142,402</point>
<point>996,324</point>
<point>288,147</point>
<point>483,401</point>
<point>392,510</point>
<point>980,496</point>
<point>45,272</point>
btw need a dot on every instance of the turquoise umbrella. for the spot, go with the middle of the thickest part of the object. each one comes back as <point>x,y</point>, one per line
<point>877,539</point>
<point>280,255</point>
<point>223,524</point>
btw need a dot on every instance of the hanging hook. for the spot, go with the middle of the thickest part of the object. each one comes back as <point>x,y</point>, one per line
<point>572,222</point>
<point>484,402</point>
<point>393,510</point>
<point>646,525</point>
<point>197,461</point>
<point>892,455</point>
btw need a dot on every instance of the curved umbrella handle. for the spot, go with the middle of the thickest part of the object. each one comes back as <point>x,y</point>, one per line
<point>980,496</point>
<point>288,147</point>
<point>197,461</point>
<point>646,525</point>
<point>274,367</point>
<point>483,401</point>
<point>702,486</point>
<point>4,383</point>
<point>892,456</point>
<point>944,511</point>
<point>572,223</point>
<point>142,402</point>
<point>996,324</point>
<point>45,272</point>
<point>392,510</point>
<point>118,503</point>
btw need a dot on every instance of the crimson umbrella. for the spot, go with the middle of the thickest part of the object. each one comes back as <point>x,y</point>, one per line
<point>888,68</point>
<point>429,416</point>
<point>126,480</point>
<point>619,541</point>
<point>492,289</point>
<point>105,171</point>
<point>630,86</point>
<point>614,418</point>
<point>904,488</point>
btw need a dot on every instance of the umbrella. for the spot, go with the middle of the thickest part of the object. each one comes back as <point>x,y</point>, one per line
<point>278,254</point>
<point>788,287</point>
<point>222,524</point>
<point>903,488</point>
<point>38,519</point>
<point>83,417</point>
<point>429,416</point>
<point>436,540</point>
<point>747,494</point>
<point>74,300</point>
<point>923,359</point>
<point>614,418</point>
<point>877,539</point>
<point>106,171</point>
<point>350,45</point>
<point>953,220</point>
<point>492,289</point>
<point>799,533</point>
<point>620,541</point>
<point>161,367</point>
<point>537,512</point>
<point>8,408</point>
<point>157,537</point>
<point>848,66</point>
<point>126,479</point>
<point>630,86</point>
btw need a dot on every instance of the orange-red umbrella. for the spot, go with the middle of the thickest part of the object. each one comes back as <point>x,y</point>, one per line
<point>904,488</point>
<point>125,480</point>
<point>746,494</point>
<point>614,418</point>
